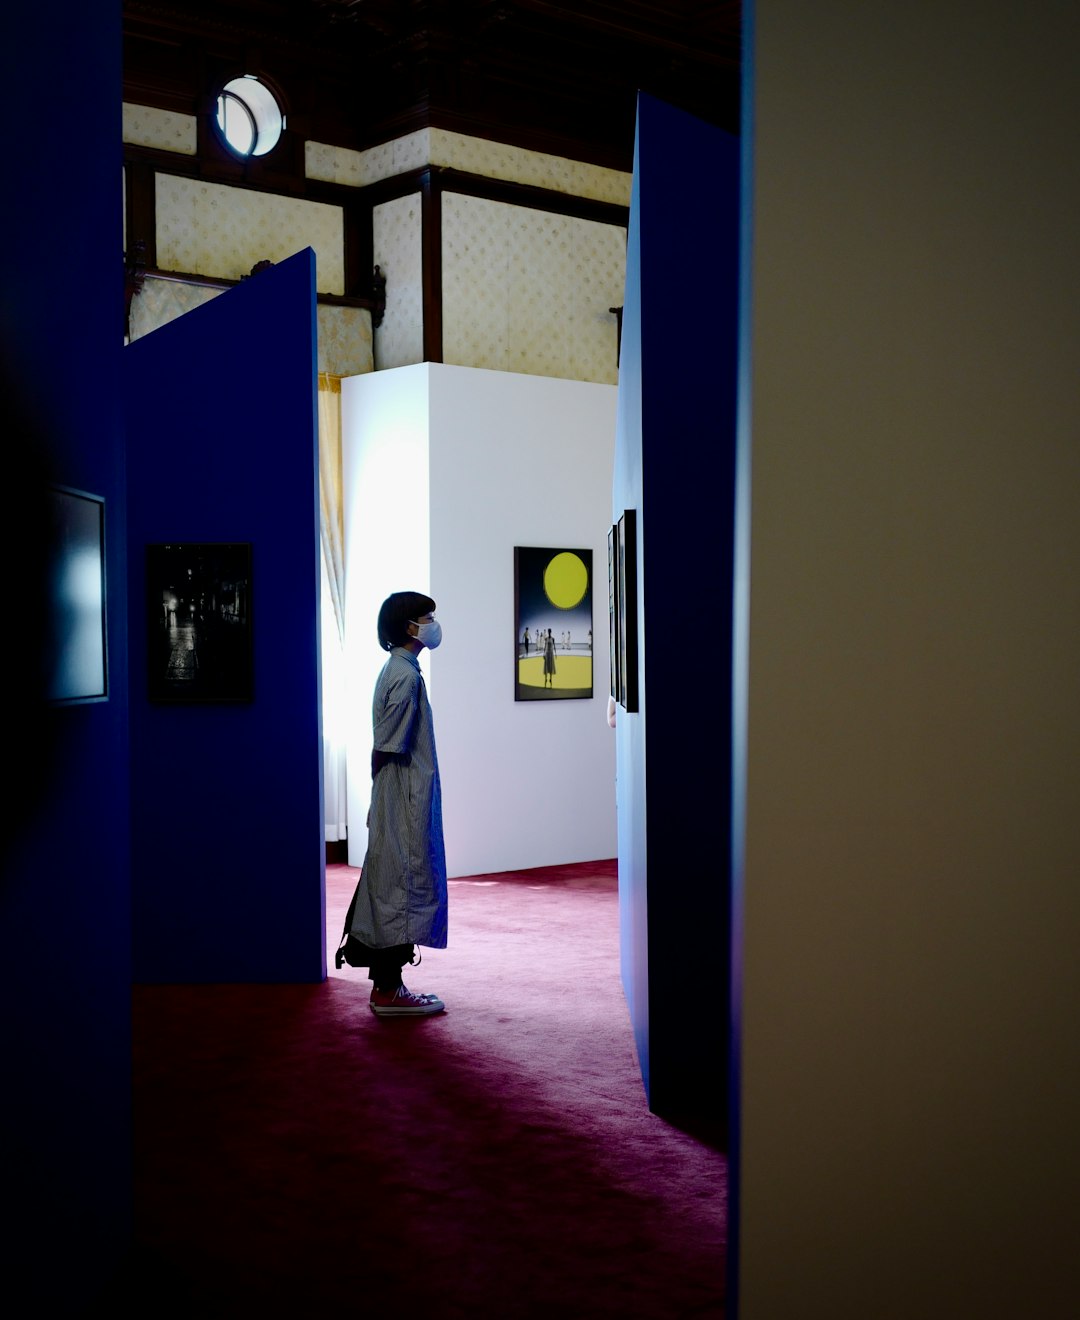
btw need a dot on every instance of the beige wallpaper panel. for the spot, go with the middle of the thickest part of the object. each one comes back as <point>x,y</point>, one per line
<point>530,292</point>
<point>160,301</point>
<point>143,126</point>
<point>496,160</point>
<point>396,232</point>
<point>492,160</point>
<point>344,341</point>
<point>358,168</point>
<point>344,333</point>
<point>168,131</point>
<point>222,231</point>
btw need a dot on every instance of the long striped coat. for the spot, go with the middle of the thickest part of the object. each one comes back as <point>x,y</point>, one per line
<point>401,898</point>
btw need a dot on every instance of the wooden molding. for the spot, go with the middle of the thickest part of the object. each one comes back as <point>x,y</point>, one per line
<point>375,302</point>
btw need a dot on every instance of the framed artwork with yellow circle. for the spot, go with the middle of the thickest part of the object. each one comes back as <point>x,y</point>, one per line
<point>553,644</point>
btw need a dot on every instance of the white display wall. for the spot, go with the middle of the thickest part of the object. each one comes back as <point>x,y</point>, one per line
<point>446,470</point>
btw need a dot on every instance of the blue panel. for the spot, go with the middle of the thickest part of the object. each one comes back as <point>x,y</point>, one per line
<point>630,741</point>
<point>740,661</point>
<point>65,968</point>
<point>675,463</point>
<point>227,829</point>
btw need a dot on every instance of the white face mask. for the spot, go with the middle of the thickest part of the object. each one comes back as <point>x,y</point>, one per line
<point>429,634</point>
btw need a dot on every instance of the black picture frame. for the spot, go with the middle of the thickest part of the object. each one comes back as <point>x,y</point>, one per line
<point>553,588</point>
<point>626,606</point>
<point>77,653</point>
<point>613,610</point>
<point>199,631</point>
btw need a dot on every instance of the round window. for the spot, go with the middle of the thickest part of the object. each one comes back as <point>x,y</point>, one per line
<point>248,116</point>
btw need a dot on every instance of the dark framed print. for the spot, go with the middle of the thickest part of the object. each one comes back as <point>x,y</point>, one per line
<point>77,659</point>
<point>553,641</point>
<point>613,612</point>
<point>199,621</point>
<point>626,607</point>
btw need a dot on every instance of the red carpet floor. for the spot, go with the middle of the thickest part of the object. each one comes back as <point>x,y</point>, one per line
<point>295,1155</point>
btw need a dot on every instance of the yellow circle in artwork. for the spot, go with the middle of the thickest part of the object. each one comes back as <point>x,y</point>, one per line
<point>566,580</point>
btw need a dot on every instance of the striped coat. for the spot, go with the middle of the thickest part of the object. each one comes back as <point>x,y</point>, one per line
<point>401,898</point>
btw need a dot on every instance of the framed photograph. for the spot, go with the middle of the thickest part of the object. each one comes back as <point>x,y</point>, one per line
<point>77,658</point>
<point>553,643</point>
<point>626,607</point>
<point>199,622</point>
<point>613,612</point>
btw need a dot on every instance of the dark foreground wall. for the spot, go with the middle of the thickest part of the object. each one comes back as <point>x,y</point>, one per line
<point>64,895</point>
<point>675,465</point>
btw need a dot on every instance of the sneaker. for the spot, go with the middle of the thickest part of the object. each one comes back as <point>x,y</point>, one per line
<point>403,1003</point>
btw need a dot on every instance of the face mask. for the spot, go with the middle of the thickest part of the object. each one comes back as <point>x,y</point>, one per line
<point>429,634</point>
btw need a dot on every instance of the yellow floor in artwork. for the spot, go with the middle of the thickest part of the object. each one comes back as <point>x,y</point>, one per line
<point>571,671</point>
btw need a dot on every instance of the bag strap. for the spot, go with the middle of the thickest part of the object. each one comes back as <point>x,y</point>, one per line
<point>339,956</point>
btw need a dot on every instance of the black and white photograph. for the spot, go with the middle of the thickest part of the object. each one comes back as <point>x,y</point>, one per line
<point>199,621</point>
<point>613,613</point>
<point>77,663</point>
<point>626,609</point>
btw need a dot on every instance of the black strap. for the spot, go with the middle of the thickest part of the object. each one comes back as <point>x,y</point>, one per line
<point>339,956</point>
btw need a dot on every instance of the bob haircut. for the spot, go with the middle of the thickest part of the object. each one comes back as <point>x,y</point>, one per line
<point>397,612</point>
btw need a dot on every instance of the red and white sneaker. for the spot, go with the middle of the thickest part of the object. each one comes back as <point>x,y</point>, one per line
<point>403,1003</point>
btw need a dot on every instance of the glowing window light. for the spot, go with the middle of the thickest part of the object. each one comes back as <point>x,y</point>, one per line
<point>249,117</point>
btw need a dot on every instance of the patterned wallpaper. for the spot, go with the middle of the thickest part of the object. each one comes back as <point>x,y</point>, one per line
<point>160,301</point>
<point>216,230</point>
<point>162,129</point>
<point>345,342</point>
<point>344,333</point>
<point>493,160</point>
<point>166,130</point>
<point>396,230</point>
<point>530,292</point>
<point>523,290</point>
<point>359,168</point>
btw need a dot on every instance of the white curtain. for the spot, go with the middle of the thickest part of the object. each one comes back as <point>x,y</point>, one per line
<point>333,616</point>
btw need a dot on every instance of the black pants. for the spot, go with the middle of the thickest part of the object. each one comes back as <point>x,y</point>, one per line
<point>386,964</point>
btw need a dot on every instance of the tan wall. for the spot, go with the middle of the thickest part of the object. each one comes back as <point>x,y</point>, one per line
<point>523,290</point>
<point>210,229</point>
<point>912,954</point>
<point>397,234</point>
<point>530,292</point>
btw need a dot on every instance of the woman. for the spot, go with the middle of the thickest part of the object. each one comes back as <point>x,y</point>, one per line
<point>549,659</point>
<point>400,900</point>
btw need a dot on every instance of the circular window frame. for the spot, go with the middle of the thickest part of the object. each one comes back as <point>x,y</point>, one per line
<point>262,114</point>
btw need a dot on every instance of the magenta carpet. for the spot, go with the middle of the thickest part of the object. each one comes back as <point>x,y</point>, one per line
<point>295,1154</point>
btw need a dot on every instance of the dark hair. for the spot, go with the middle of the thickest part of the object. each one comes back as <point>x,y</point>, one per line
<point>397,612</point>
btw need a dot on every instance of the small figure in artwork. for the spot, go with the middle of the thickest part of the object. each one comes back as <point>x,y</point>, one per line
<point>549,659</point>
<point>525,640</point>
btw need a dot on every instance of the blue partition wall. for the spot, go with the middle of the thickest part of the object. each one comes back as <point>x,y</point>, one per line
<point>675,465</point>
<point>65,1106</point>
<point>227,830</point>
